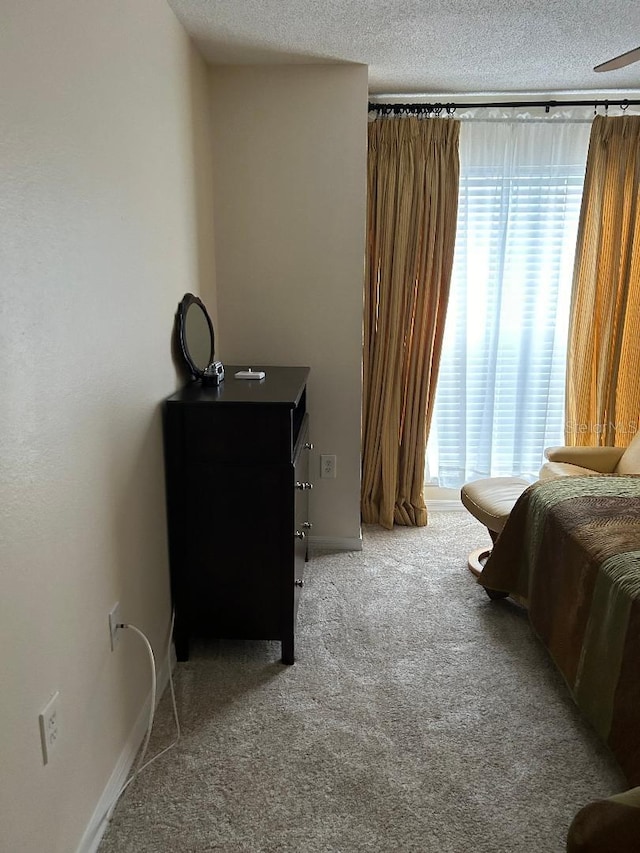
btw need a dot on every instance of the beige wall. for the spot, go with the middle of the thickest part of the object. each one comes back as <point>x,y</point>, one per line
<point>290,193</point>
<point>104,127</point>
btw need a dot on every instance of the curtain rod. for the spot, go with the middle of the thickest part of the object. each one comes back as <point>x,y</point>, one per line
<point>450,108</point>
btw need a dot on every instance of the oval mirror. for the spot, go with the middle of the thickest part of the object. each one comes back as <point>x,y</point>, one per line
<point>195,331</point>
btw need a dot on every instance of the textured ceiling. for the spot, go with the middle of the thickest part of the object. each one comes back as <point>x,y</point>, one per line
<point>429,46</point>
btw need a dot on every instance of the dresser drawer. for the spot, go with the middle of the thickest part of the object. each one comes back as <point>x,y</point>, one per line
<point>234,436</point>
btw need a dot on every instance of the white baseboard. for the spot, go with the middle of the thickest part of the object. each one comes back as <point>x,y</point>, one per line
<point>98,823</point>
<point>445,506</point>
<point>337,543</point>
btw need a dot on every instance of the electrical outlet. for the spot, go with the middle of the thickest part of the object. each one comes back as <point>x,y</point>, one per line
<point>328,465</point>
<point>114,625</point>
<point>49,727</point>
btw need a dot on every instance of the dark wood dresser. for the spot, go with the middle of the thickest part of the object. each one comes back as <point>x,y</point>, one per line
<point>237,484</point>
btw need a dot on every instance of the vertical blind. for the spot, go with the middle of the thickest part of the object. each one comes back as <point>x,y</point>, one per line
<point>500,395</point>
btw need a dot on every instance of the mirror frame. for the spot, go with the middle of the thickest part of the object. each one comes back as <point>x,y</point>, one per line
<point>189,300</point>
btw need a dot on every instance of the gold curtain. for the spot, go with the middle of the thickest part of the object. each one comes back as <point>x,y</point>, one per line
<point>603,388</point>
<point>413,170</point>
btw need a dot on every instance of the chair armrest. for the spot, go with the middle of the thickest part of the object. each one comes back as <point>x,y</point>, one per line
<point>607,825</point>
<point>601,460</point>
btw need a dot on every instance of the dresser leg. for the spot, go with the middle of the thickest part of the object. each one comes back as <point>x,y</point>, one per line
<point>181,642</point>
<point>287,651</point>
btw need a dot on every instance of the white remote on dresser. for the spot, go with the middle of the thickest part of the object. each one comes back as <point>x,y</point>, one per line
<point>250,374</point>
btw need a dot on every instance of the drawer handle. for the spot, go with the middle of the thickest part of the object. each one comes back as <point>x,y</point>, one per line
<point>304,486</point>
<point>308,445</point>
<point>299,583</point>
<point>307,525</point>
<point>300,534</point>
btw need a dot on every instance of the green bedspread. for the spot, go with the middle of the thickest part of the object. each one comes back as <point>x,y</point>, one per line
<point>571,549</point>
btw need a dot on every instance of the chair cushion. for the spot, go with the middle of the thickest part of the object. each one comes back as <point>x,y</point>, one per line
<point>491,500</point>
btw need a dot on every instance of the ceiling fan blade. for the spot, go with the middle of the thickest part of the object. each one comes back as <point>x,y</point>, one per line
<point>620,61</point>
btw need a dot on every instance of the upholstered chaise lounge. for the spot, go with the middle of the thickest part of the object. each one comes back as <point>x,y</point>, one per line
<point>491,500</point>
<point>565,461</point>
<point>609,825</point>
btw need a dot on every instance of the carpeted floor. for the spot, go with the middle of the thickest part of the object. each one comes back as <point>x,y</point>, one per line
<point>420,716</point>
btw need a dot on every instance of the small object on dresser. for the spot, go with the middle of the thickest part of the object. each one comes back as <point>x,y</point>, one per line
<point>250,374</point>
<point>213,373</point>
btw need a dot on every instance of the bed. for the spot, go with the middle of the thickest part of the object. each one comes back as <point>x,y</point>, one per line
<point>570,552</point>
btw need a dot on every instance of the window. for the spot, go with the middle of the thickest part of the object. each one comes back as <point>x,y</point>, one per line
<point>500,394</point>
